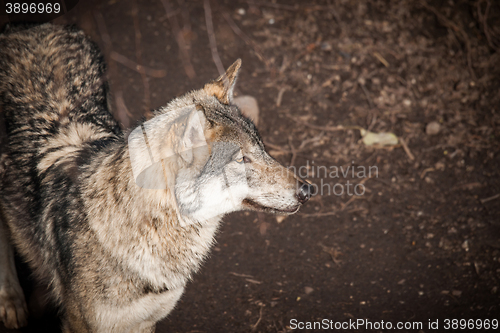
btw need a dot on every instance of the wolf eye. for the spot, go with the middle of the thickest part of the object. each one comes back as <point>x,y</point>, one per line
<point>243,159</point>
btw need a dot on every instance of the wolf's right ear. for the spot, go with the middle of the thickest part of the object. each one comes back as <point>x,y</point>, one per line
<point>223,87</point>
<point>193,137</point>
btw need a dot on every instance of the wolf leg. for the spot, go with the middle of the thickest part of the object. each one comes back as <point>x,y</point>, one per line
<point>13,309</point>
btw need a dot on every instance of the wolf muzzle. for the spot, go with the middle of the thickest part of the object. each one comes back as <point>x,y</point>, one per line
<point>306,190</point>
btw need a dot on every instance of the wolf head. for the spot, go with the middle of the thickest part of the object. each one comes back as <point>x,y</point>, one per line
<point>212,157</point>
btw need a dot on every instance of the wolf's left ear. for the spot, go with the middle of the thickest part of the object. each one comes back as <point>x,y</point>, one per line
<point>223,87</point>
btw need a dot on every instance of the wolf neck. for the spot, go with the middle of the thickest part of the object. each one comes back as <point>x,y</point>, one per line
<point>157,246</point>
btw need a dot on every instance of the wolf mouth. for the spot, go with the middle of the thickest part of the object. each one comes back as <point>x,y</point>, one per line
<point>255,205</point>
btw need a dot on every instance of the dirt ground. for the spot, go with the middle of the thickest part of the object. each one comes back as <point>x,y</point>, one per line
<point>421,243</point>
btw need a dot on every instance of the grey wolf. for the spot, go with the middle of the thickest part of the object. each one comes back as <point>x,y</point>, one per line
<point>116,222</point>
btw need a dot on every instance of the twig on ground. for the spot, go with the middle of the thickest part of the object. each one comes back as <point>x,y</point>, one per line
<point>496,196</point>
<point>122,113</point>
<point>373,122</point>
<point>344,205</point>
<point>328,128</point>
<point>280,96</point>
<point>306,8</point>
<point>468,186</point>
<point>367,94</point>
<point>294,151</point>
<point>284,65</point>
<point>179,37</point>
<point>483,18</point>
<point>246,39</point>
<point>254,281</point>
<point>423,173</point>
<point>313,139</point>
<point>319,214</point>
<point>185,15</point>
<point>281,149</point>
<point>211,38</point>
<point>157,73</point>
<point>383,181</point>
<point>254,326</point>
<point>241,275</point>
<point>138,56</point>
<point>334,254</point>
<point>275,5</point>
<point>381,59</point>
<point>407,150</point>
<point>120,103</point>
<point>449,24</point>
<point>321,128</point>
<point>364,180</point>
<point>103,31</point>
<point>411,91</point>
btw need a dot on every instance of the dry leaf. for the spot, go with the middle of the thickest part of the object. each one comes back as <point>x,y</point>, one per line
<point>381,139</point>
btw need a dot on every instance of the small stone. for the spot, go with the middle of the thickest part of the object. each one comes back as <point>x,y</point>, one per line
<point>308,290</point>
<point>326,46</point>
<point>249,107</point>
<point>280,218</point>
<point>440,166</point>
<point>456,293</point>
<point>432,128</point>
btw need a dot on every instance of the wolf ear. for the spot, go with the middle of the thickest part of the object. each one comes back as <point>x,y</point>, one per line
<point>223,87</point>
<point>193,137</point>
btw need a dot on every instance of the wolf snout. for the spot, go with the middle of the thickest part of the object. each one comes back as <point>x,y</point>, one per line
<point>305,191</point>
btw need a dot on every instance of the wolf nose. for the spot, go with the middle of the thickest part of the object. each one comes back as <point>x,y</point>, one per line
<point>305,192</point>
